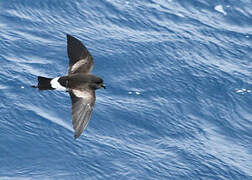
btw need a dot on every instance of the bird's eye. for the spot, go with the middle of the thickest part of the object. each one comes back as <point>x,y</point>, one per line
<point>98,81</point>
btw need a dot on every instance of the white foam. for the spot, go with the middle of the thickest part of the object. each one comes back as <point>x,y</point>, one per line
<point>22,87</point>
<point>180,15</point>
<point>56,85</point>
<point>243,90</point>
<point>239,91</point>
<point>137,93</point>
<point>220,9</point>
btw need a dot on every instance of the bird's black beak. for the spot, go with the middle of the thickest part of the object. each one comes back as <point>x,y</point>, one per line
<point>103,86</point>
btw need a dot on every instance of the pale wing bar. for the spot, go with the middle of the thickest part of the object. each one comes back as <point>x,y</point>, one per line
<point>80,60</point>
<point>82,66</point>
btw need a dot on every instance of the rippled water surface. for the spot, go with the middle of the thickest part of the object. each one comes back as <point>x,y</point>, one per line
<point>178,103</point>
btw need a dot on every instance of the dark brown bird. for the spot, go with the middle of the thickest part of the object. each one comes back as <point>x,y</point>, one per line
<point>80,84</point>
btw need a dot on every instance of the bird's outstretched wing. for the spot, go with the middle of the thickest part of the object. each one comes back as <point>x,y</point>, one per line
<point>82,107</point>
<point>80,60</point>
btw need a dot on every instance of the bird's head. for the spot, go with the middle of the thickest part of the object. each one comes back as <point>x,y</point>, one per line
<point>97,83</point>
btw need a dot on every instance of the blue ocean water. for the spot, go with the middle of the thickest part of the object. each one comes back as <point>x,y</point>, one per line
<point>178,103</point>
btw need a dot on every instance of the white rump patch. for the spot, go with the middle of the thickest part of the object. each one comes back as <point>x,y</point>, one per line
<point>56,85</point>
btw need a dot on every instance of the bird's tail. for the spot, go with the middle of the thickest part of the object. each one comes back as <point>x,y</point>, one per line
<point>44,83</point>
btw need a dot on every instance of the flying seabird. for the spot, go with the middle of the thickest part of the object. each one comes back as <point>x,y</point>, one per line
<point>78,82</point>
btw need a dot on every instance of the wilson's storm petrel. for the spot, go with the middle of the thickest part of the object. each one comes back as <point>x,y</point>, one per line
<point>80,84</point>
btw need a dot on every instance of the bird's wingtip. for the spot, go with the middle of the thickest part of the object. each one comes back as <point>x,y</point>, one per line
<point>76,136</point>
<point>68,36</point>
